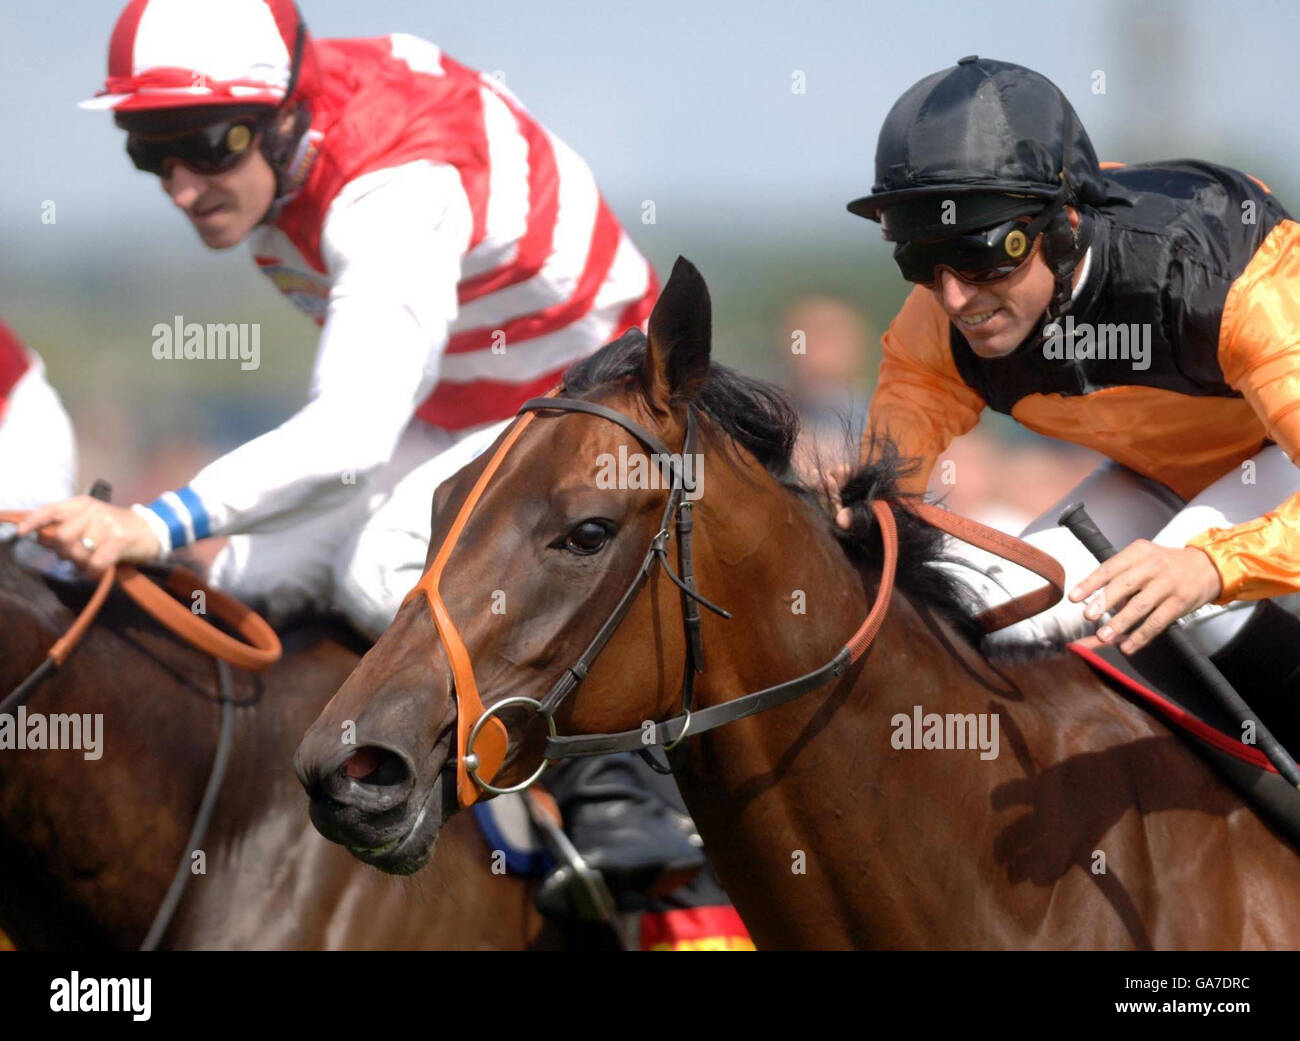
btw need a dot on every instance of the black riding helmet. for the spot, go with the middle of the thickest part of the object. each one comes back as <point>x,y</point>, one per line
<point>980,144</point>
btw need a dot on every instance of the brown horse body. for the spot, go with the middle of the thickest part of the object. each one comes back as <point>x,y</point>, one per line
<point>88,847</point>
<point>1092,827</point>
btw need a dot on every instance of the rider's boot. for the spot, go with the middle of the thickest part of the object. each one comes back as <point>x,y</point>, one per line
<point>620,826</point>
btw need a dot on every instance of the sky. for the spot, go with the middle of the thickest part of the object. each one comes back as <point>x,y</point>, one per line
<point>690,104</point>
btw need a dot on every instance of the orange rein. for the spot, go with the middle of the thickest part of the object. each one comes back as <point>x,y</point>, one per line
<point>494,740</point>
<point>1006,546</point>
<point>258,648</point>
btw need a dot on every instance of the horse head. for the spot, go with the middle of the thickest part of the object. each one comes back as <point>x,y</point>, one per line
<point>539,552</point>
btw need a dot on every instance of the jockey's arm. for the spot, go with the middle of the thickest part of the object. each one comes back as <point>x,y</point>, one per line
<point>393,242</point>
<point>920,401</point>
<point>1259,353</point>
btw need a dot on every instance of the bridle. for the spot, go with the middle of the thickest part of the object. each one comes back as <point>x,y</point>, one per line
<point>482,739</point>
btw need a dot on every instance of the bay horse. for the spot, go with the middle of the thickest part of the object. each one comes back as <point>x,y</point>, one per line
<point>88,846</point>
<point>1089,826</point>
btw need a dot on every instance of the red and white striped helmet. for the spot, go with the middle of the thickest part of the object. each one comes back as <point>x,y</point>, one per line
<point>182,53</point>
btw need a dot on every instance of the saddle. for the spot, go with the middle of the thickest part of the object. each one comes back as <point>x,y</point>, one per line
<point>1160,681</point>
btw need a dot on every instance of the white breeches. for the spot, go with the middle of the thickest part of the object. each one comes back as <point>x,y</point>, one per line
<point>360,559</point>
<point>1127,507</point>
<point>38,449</point>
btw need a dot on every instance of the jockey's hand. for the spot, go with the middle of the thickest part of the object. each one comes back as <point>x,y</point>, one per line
<point>1155,585</point>
<point>91,533</point>
<point>832,480</point>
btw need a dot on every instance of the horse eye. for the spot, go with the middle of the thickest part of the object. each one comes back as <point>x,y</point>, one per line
<point>588,537</point>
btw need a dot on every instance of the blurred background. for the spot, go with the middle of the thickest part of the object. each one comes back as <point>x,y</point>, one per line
<point>748,124</point>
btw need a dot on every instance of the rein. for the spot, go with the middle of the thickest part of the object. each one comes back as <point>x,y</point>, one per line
<point>259,648</point>
<point>482,739</point>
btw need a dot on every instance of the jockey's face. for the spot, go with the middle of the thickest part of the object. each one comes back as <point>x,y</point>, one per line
<point>996,317</point>
<point>223,207</point>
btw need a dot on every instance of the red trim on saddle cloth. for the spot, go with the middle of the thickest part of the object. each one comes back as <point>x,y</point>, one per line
<point>1176,714</point>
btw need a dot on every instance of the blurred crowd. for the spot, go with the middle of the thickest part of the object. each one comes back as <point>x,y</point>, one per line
<point>826,354</point>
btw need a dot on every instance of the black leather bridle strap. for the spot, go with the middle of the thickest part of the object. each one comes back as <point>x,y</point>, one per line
<point>577,672</point>
<point>666,458</point>
<point>207,806</point>
<point>671,730</point>
<point>674,470</point>
<point>690,609</point>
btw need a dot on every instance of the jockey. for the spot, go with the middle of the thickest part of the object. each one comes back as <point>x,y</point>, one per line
<point>458,258</point>
<point>1149,312</point>
<point>38,449</point>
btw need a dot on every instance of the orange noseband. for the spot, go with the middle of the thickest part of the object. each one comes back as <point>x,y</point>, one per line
<point>492,741</point>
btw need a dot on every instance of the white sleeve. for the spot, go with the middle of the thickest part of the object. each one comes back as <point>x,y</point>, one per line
<point>393,242</point>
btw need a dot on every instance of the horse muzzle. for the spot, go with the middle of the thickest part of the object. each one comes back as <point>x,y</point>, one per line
<point>371,799</point>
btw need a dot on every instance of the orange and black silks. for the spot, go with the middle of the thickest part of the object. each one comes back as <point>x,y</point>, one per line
<point>1209,261</point>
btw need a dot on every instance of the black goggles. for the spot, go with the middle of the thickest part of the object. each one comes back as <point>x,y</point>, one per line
<point>207,150</point>
<point>979,258</point>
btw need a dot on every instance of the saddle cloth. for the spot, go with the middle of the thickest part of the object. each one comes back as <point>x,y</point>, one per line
<point>507,827</point>
<point>1157,679</point>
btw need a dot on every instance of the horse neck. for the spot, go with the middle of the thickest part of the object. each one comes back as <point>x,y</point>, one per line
<point>809,813</point>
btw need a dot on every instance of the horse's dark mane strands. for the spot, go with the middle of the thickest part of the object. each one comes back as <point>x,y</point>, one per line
<point>760,418</point>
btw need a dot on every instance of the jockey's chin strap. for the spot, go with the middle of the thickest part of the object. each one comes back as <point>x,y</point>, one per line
<point>481,738</point>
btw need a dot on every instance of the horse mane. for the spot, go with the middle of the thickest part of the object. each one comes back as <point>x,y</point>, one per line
<point>759,417</point>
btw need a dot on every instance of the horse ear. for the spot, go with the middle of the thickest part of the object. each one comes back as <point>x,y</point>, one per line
<point>681,331</point>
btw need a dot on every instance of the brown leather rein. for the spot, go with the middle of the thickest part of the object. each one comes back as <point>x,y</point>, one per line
<point>258,647</point>
<point>482,739</point>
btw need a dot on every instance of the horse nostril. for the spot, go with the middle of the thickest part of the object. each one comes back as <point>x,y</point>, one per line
<point>375,766</point>
<point>369,779</point>
<point>373,779</point>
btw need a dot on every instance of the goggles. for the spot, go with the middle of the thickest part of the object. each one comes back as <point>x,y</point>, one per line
<point>979,258</point>
<point>207,150</point>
